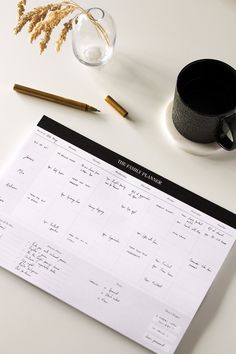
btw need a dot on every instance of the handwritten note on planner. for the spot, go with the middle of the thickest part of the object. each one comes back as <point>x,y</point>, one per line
<point>116,241</point>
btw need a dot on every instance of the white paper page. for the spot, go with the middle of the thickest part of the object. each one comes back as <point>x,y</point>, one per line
<point>107,243</point>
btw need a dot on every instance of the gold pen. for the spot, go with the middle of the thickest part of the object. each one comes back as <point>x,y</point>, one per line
<point>54,98</point>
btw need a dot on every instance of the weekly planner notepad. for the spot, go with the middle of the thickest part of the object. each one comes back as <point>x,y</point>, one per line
<point>105,235</point>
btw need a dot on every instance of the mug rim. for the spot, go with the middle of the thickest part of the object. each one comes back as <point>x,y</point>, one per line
<point>229,67</point>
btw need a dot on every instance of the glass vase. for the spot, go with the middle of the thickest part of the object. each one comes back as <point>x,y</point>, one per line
<point>93,37</point>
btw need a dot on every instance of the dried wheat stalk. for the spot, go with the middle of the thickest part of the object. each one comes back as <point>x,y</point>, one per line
<point>43,20</point>
<point>21,8</point>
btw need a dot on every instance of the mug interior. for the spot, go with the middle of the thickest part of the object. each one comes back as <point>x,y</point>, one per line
<point>208,86</point>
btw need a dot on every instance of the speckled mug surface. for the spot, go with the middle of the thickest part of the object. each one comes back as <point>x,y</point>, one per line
<point>205,103</point>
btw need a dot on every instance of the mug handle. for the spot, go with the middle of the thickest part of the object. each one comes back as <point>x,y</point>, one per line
<point>228,125</point>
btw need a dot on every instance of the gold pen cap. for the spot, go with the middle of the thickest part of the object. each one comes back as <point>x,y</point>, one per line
<point>116,106</point>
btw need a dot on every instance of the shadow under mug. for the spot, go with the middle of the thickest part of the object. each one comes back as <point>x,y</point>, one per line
<point>204,109</point>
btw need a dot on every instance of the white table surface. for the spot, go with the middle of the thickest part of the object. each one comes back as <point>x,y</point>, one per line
<point>155,40</point>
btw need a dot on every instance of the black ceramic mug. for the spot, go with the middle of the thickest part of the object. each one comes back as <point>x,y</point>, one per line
<point>204,107</point>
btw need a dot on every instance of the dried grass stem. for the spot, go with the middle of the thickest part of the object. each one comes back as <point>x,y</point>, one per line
<point>44,19</point>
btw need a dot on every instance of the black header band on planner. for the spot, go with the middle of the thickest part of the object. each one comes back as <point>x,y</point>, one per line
<point>138,171</point>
